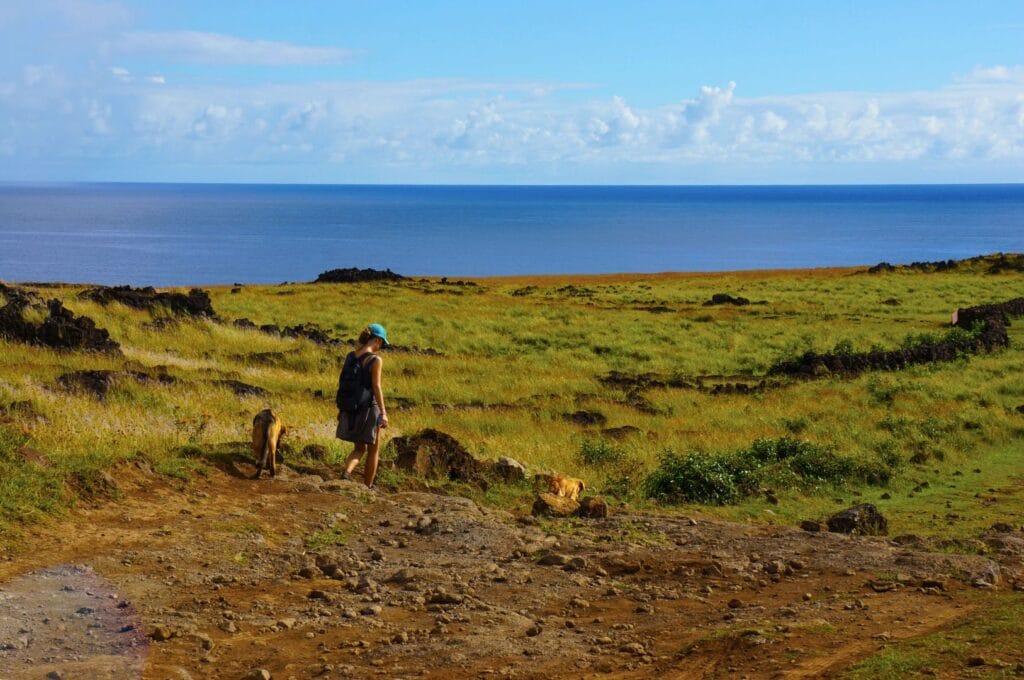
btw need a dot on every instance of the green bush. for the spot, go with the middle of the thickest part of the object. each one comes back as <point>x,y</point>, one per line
<point>784,462</point>
<point>692,478</point>
<point>598,452</point>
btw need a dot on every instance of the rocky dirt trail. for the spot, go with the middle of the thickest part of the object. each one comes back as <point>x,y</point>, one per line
<point>300,578</point>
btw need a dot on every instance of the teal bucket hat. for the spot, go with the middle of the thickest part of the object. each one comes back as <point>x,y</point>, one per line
<point>378,331</point>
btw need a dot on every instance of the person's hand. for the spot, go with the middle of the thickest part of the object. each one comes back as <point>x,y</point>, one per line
<point>384,420</point>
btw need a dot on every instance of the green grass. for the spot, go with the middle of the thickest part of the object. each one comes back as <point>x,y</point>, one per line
<point>326,538</point>
<point>534,357</point>
<point>993,631</point>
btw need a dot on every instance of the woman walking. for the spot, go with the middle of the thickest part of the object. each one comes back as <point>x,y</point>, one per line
<point>360,400</point>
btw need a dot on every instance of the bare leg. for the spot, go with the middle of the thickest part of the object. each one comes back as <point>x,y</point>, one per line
<point>370,471</point>
<point>353,458</point>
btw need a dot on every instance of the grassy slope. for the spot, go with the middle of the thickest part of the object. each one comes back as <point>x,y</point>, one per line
<point>543,350</point>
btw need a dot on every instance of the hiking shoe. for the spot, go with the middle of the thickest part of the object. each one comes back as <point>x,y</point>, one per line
<point>346,476</point>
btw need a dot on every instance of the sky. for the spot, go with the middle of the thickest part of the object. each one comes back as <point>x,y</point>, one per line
<point>525,92</point>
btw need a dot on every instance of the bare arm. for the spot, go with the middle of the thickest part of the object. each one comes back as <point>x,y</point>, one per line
<point>378,393</point>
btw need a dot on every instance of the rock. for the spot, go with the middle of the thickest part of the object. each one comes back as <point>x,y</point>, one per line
<point>553,560</point>
<point>619,432</point>
<point>59,327</point>
<point>735,603</point>
<point>633,648</point>
<point>318,595</point>
<point>863,520</point>
<point>586,418</point>
<point>549,505</point>
<point>285,624</point>
<point>534,631</point>
<point>54,675</point>
<point>433,454</point>
<point>371,610</point>
<point>310,572</point>
<point>976,661</point>
<point>355,275</point>
<point>1002,527</point>
<point>95,382</point>
<point>576,563</point>
<point>160,634</point>
<point>196,303</point>
<point>510,470</point>
<point>258,674</point>
<point>726,299</point>
<point>592,507</point>
<point>241,389</point>
<point>579,603</point>
<point>811,525</point>
<point>441,596</point>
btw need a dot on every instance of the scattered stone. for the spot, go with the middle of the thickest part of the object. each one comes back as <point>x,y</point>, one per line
<point>810,525</point>
<point>534,631</point>
<point>371,610</point>
<point>633,648</point>
<point>735,603</point>
<point>196,303</point>
<point>356,275</point>
<point>59,328</point>
<point>863,520</point>
<point>976,661</point>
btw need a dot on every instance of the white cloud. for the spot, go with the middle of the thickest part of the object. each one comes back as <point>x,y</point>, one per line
<point>424,129</point>
<point>218,48</point>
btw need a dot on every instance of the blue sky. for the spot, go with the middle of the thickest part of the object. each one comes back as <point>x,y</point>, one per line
<point>523,92</point>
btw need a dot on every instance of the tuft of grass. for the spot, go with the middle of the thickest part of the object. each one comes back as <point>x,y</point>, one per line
<point>328,537</point>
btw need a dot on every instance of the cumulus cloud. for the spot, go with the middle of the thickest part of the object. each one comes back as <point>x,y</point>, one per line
<point>218,48</point>
<point>419,130</point>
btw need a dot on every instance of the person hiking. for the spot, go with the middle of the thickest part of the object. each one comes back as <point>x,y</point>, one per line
<point>360,401</point>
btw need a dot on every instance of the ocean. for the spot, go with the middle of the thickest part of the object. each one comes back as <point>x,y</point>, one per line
<point>206,234</point>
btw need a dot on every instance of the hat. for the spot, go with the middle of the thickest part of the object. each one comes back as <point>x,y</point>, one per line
<point>377,331</point>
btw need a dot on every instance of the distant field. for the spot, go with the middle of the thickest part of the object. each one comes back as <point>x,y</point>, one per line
<point>519,355</point>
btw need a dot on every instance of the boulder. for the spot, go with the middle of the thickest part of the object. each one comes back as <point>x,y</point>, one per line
<point>863,520</point>
<point>510,470</point>
<point>592,507</point>
<point>550,505</point>
<point>432,454</point>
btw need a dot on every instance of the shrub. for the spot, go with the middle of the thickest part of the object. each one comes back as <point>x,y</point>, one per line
<point>784,462</point>
<point>598,452</point>
<point>693,478</point>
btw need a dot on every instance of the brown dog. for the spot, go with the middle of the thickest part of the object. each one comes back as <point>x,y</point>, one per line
<point>267,431</point>
<point>568,487</point>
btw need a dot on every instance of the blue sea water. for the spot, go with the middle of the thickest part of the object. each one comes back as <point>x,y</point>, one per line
<point>180,234</point>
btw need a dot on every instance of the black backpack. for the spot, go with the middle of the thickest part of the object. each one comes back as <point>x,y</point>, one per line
<point>354,385</point>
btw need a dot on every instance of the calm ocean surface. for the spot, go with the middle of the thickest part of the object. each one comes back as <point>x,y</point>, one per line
<point>179,234</point>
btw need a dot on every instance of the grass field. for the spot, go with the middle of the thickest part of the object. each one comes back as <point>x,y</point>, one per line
<point>519,354</point>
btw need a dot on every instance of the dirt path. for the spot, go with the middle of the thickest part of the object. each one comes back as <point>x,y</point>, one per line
<point>305,579</point>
